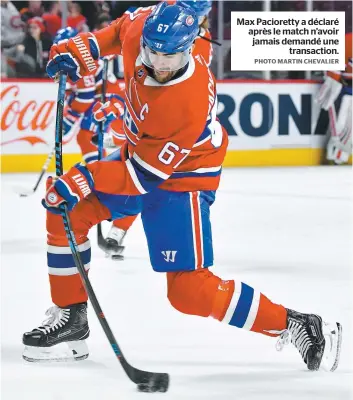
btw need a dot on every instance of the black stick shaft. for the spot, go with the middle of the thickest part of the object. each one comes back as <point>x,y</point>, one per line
<point>100,238</point>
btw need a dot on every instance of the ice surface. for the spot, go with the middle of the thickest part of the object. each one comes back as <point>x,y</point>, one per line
<point>287,232</point>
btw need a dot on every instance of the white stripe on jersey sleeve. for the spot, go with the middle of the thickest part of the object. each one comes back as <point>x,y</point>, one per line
<point>134,177</point>
<point>149,167</point>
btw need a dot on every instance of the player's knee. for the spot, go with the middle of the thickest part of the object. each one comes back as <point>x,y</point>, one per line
<point>173,289</point>
<point>84,137</point>
<point>192,292</point>
<point>87,213</point>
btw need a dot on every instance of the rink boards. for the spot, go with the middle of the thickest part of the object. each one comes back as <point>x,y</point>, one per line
<point>270,123</point>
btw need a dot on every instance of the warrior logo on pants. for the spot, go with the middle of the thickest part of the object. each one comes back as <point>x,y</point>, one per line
<point>169,255</point>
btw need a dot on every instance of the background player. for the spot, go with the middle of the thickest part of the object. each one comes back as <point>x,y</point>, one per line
<point>81,99</point>
<point>170,169</point>
<point>338,83</point>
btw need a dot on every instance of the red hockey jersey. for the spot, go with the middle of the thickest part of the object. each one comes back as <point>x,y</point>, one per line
<point>175,141</point>
<point>81,94</point>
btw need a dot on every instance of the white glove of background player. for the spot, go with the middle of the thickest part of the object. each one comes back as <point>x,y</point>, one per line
<point>339,149</point>
<point>328,93</point>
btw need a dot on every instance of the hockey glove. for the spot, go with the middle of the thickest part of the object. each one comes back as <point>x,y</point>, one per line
<point>70,188</point>
<point>110,110</point>
<point>339,148</point>
<point>76,57</point>
<point>328,93</point>
<point>70,117</point>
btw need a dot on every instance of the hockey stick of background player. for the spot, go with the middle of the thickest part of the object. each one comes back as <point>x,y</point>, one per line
<point>146,381</point>
<point>101,241</point>
<point>333,120</point>
<point>333,125</point>
<point>103,244</point>
<point>27,192</point>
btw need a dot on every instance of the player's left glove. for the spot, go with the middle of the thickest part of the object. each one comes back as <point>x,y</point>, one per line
<point>70,188</point>
<point>76,57</point>
<point>328,93</point>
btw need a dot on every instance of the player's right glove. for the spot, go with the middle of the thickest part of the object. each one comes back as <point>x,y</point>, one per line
<point>70,117</point>
<point>76,57</point>
<point>70,188</point>
<point>107,112</point>
<point>328,93</point>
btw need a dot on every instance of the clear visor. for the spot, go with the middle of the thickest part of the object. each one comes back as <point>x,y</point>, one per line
<point>164,62</point>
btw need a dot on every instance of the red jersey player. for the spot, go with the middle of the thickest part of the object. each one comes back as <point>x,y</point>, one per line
<point>169,171</point>
<point>203,47</point>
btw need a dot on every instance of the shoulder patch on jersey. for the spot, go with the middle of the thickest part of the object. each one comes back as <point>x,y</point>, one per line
<point>140,72</point>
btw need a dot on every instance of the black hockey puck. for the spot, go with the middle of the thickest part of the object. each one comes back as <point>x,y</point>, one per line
<point>159,384</point>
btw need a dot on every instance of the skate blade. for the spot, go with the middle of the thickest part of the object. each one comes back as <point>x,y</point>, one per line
<point>63,352</point>
<point>333,339</point>
<point>115,253</point>
<point>115,257</point>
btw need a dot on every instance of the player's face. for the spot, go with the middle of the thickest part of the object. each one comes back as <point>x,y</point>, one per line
<point>163,76</point>
<point>165,62</point>
<point>164,65</point>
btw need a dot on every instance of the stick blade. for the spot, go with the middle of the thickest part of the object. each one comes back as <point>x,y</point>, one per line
<point>153,382</point>
<point>148,382</point>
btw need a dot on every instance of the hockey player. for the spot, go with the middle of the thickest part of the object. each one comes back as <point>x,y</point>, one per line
<point>169,170</point>
<point>202,47</point>
<point>337,83</point>
<point>82,100</point>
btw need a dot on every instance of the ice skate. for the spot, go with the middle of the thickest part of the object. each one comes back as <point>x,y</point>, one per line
<point>114,241</point>
<point>61,337</point>
<point>318,342</point>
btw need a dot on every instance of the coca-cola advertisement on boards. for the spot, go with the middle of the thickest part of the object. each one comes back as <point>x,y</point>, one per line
<point>28,117</point>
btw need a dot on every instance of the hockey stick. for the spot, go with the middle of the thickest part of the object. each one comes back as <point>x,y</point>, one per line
<point>146,381</point>
<point>27,192</point>
<point>101,241</point>
<point>333,125</point>
<point>333,120</point>
<point>103,244</point>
